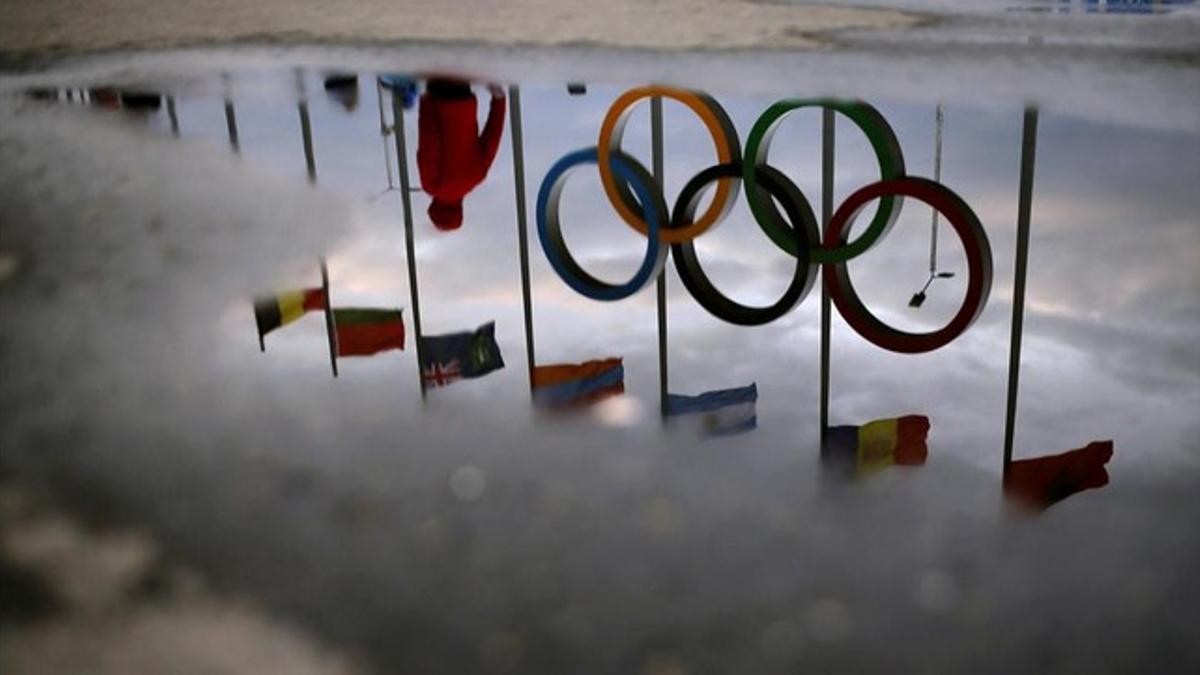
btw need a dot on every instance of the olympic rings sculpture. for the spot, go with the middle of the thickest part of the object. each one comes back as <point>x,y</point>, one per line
<point>638,200</point>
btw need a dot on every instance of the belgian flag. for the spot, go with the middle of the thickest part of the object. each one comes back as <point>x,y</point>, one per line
<point>283,308</point>
<point>363,332</point>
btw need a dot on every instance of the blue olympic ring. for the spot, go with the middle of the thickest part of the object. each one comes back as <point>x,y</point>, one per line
<point>654,210</point>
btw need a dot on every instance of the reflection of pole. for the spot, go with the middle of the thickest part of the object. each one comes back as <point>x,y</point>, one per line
<point>406,203</point>
<point>310,158</point>
<point>937,177</point>
<point>383,134</point>
<point>518,153</point>
<point>1024,207</point>
<point>656,144</point>
<point>330,327</point>
<point>230,117</point>
<point>827,126</point>
<point>172,116</point>
<point>231,125</point>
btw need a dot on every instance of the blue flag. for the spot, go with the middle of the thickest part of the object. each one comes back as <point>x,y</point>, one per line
<point>718,412</point>
<point>446,358</point>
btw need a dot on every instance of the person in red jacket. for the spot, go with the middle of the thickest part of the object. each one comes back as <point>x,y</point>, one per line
<point>453,157</point>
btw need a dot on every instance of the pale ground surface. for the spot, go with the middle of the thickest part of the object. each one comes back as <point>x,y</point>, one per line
<point>664,24</point>
<point>1137,70</point>
<point>119,607</point>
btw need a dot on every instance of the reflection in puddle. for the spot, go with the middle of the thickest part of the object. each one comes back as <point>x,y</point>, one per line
<point>747,466</point>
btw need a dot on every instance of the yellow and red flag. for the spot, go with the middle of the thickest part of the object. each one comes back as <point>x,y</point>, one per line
<point>277,310</point>
<point>861,450</point>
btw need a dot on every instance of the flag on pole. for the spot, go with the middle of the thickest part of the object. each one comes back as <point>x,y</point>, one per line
<point>271,312</point>
<point>860,450</point>
<point>573,385</point>
<point>364,332</point>
<point>1041,482</point>
<point>470,354</point>
<point>718,412</point>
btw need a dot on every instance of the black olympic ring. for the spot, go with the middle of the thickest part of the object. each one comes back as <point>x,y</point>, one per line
<point>804,231</point>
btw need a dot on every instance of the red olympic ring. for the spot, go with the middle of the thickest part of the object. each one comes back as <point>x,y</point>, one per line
<point>975,243</point>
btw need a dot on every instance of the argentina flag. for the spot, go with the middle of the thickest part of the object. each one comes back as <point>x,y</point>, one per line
<point>718,412</point>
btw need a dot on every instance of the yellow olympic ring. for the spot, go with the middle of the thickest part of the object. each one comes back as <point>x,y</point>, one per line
<point>729,150</point>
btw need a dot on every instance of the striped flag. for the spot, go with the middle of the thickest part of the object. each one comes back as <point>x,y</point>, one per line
<point>1041,482</point>
<point>860,450</point>
<point>271,312</point>
<point>573,385</point>
<point>363,332</point>
<point>718,412</point>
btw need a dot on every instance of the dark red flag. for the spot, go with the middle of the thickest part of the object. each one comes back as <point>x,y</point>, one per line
<point>1043,481</point>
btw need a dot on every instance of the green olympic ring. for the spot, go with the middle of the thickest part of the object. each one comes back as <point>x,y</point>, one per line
<point>887,152</point>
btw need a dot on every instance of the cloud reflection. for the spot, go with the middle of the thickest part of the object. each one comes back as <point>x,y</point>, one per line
<point>144,342</point>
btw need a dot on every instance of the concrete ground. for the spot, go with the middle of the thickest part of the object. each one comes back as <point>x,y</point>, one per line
<point>666,24</point>
<point>84,598</point>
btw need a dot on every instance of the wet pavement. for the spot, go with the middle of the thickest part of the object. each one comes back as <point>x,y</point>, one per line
<point>448,507</point>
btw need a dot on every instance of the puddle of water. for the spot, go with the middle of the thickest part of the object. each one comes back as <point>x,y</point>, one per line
<point>465,527</point>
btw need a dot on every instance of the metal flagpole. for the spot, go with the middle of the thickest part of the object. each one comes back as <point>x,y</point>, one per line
<point>518,153</point>
<point>937,177</point>
<point>383,134</point>
<point>1024,207</point>
<point>330,326</point>
<point>230,117</point>
<point>656,143</point>
<point>231,126</point>
<point>310,158</point>
<point>827,128</point>
<point>406,203</point>
<point>172,116</point>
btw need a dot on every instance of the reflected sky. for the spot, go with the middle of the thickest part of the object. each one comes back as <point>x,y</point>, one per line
<point>1112,310</point>
<point>131,359</point>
